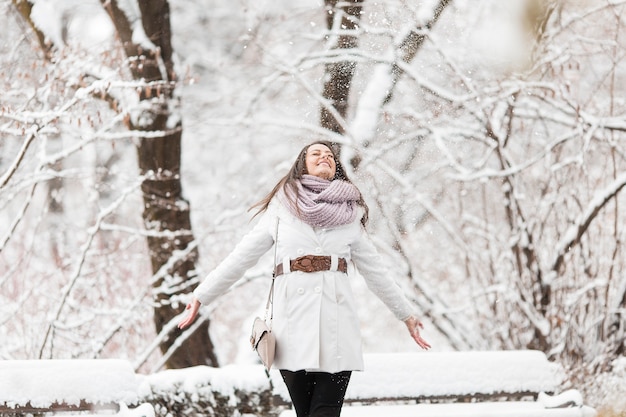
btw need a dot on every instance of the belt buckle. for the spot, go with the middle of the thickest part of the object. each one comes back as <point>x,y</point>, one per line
<point>305,264</point>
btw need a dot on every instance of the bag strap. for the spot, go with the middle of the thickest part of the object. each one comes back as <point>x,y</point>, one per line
<point>270,297</point>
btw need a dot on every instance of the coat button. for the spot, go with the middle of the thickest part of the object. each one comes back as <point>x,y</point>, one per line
<point>300,251</point>
<point>300,291</point>
<point>318,290</point>
<point>318,250</point>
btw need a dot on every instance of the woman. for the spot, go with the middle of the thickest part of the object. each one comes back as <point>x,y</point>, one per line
<point>317,218</point>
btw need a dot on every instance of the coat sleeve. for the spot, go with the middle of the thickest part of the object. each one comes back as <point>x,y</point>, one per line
<point>244,256</point>
<point>370,265</point>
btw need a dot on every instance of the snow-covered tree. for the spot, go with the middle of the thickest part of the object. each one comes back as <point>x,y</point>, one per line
<point>139,86</point>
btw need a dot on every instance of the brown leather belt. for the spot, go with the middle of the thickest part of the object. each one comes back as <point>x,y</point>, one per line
<point>312,263</point>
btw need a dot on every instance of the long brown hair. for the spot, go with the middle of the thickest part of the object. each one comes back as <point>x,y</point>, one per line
<point>298,169</point>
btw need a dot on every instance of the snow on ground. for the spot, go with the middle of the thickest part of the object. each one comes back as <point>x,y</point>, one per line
<point>444,374</point>
<point>491,409</point>
<point>43,382</point>
<point>423,374</point>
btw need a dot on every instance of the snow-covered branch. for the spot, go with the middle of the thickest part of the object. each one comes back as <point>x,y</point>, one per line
<point>575,232</point>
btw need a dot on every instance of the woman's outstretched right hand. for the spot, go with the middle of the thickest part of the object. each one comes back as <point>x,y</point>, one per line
<point>414,326</point>
<point>193,308</point>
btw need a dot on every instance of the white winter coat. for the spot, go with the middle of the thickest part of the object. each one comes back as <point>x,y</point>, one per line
<point>315,320</point>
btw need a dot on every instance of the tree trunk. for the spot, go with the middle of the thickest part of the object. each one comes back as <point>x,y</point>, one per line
<point>412,43</point>
<point>344,17</point>
<point>25,7</point>
<point>166,213</point>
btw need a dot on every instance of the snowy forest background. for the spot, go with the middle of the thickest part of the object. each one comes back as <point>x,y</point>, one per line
<point>487,137</point>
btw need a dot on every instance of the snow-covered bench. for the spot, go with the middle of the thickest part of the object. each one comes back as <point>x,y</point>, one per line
<point>464,384</point>
<point>36,386</point>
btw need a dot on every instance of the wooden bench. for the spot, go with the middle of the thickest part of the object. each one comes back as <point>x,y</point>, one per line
<point>38,386</point>
<point>441,384</point>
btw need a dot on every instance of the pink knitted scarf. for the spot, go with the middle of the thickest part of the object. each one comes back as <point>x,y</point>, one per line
<point>324,203</point>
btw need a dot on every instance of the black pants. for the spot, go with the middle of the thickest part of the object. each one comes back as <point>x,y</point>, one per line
<point>316,394</point>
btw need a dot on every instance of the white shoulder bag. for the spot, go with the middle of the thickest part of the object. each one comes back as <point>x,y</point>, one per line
<point>262,338</point>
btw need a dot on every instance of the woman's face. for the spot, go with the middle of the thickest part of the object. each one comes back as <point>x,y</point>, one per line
<point>320,161</point>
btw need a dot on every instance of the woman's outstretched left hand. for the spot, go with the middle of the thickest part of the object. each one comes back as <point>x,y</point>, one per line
<point>193,308</point>
<point>414,326</point>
